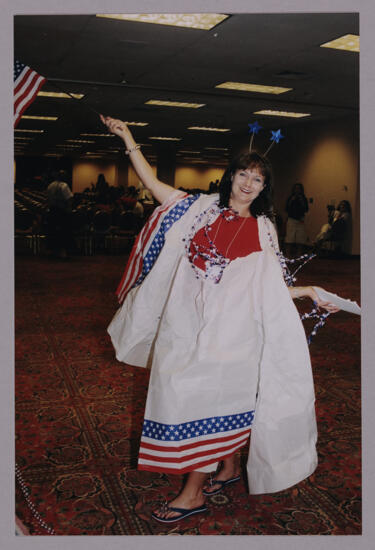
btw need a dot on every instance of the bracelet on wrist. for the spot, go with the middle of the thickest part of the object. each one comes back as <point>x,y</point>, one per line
<point>128,151</point>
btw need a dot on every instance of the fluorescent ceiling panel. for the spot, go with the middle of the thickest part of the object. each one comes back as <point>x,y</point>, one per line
<point>202,21</point>
<point>60,95</point>
<point>163,103</point>
<point>137,123</point>
<point>165,138</point>
<point>80,141</point>
<point>348,42</point>
<point>289,114</point>
<point>98,135</point>
<point>206,129</point>
<point>30,117</point>
<point>29,131</point>
<point>258,88</point>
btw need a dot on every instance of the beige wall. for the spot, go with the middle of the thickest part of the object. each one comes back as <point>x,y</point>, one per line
<point>86,172</point>
<point>133,179</point>
<point>191,177</point>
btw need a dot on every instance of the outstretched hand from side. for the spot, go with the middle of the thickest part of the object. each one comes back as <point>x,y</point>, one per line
<point>331,308</point>
<point>310,292</point>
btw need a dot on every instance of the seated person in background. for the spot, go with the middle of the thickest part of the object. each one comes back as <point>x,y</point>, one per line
<point>338,229</point>
<point>324,233</point>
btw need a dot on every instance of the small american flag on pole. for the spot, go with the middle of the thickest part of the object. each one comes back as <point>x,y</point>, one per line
<point>27,84</point>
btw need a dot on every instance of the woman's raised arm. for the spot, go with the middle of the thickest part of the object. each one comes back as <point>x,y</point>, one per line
<point>161,191</point>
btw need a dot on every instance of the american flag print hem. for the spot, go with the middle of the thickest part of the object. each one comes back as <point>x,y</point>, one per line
<point>191,445</point>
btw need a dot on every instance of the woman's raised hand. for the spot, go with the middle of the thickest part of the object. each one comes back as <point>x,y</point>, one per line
<point>114,125</point>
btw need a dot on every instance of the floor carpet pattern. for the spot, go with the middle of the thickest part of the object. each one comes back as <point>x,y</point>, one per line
<point>79,414</point>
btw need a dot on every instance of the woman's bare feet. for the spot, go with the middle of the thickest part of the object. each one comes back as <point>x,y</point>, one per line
<point>191,497</point>
<point>180,501</point>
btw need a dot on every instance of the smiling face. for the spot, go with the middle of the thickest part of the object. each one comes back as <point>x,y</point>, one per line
<point>247,183</point>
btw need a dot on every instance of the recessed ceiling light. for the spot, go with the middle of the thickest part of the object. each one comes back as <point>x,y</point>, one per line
<point>166,138</point>
<point>258,88</point>
<point>207,129</point>
<point>39,117</point>
<point>29,131</point>
<point>203,21</point>
<point>60,95</point>
<point>281,113</point>
<point>174,104</point>
<point>348,42</point>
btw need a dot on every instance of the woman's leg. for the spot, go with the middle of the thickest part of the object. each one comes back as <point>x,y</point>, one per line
<point>230,468</point>
<point>190,497</point>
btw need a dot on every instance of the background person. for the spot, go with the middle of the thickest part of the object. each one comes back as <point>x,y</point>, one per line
<point>60,199</point>
<point>296,207</point>
<point>337,234</point>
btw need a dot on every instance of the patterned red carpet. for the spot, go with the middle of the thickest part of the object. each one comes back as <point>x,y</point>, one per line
<point>79,414</point>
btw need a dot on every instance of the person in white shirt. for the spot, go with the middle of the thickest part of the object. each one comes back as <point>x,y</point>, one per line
<point>60,199</point>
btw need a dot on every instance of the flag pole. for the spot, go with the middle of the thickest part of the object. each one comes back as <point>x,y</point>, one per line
<point>53,83</point>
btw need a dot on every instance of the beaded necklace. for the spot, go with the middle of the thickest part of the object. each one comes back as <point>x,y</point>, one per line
<point>290,280</point>
<point>215,261</point>
<point>26,493</point>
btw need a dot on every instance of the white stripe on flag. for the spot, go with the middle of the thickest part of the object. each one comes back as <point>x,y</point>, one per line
<point>29,95</point>
<point>177,466</point>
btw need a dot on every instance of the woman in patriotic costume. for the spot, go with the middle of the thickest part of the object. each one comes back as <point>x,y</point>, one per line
<point>205,304</point>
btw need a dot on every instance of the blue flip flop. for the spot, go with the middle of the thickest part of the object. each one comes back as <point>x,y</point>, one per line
<point>222,485</point>
<point>184,513</point>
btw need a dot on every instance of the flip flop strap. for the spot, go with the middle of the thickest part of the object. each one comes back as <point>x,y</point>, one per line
<point>217,482</point>
<point>180,510</point>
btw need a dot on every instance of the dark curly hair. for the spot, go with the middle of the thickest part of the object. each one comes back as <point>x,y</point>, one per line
<point>262,205</point>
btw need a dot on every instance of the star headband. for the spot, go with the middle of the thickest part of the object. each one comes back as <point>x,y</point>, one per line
<point>254,128</point>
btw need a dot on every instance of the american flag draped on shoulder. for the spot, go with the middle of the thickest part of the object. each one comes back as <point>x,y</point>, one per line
<point>27,84</point>
<point>150,241</point>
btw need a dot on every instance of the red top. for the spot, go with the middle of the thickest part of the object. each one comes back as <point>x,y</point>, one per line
<point>234,238</point>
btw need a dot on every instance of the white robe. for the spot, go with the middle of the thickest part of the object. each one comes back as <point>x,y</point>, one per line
<point>203,338</point>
